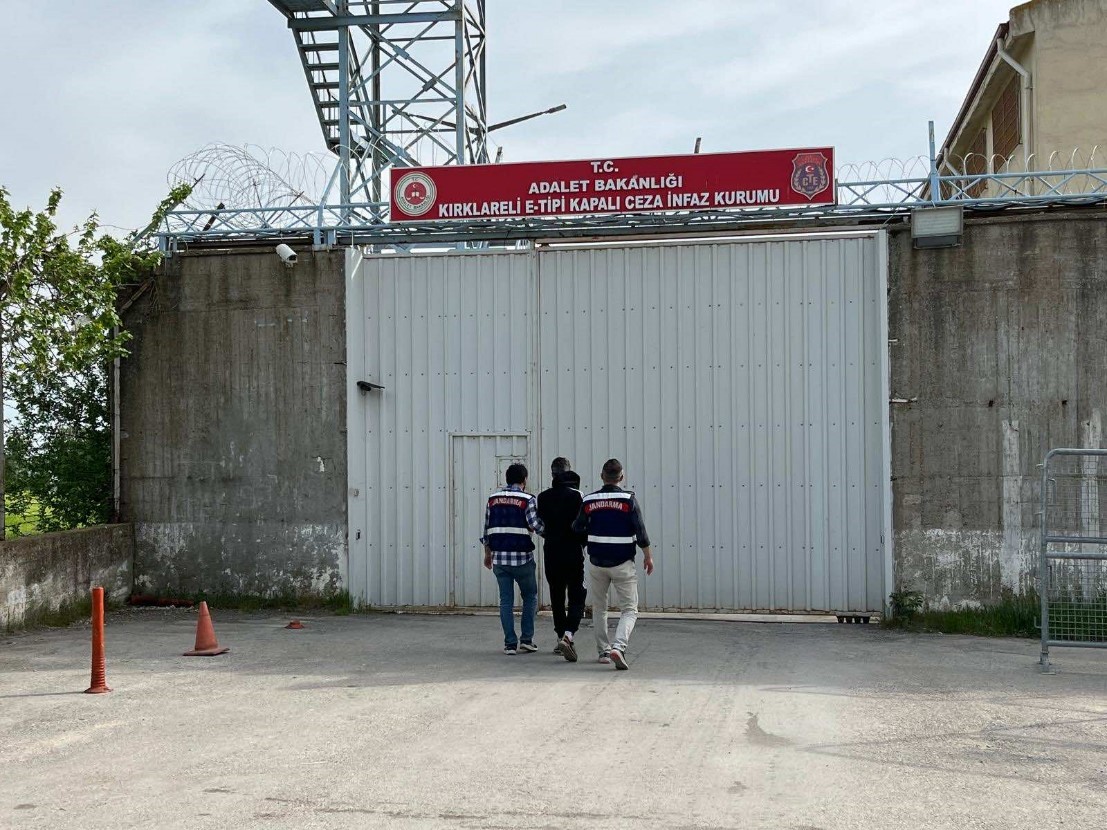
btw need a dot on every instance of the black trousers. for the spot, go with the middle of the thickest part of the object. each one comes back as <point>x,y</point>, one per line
<point>565,575</point>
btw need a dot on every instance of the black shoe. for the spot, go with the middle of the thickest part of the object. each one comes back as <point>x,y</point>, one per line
<point>529,648</point>
<point>618,659</point>
<point>568,650</point>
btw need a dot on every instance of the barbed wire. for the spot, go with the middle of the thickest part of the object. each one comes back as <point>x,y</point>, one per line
<point>237,178</point>
<point>912,167</point>
<point>918,167</point>
<point>226,176</point>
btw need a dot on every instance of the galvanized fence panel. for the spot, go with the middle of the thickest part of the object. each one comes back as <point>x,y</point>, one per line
<point>1073,566</point>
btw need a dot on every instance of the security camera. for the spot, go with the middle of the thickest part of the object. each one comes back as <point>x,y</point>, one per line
<point>287,255</point>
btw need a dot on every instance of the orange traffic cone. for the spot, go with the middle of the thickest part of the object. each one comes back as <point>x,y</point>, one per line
<point>206,644</point>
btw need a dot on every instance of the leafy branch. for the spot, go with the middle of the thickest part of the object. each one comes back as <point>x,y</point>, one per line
<point>59,331</point>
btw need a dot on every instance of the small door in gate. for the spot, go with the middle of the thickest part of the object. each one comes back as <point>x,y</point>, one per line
<point>478,466</point>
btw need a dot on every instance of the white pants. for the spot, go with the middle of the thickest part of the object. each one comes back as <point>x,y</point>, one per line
<point>624,579</point>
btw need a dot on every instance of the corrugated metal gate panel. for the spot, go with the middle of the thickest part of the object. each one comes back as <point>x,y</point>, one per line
<point>450,337</point>
<point>741,385</point>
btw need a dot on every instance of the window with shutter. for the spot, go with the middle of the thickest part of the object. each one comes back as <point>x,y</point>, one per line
<point>1005,123</point>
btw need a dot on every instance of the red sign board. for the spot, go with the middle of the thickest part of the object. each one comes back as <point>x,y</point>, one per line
<point>708,181</point>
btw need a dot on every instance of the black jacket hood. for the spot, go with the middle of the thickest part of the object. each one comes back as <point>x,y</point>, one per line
<point>567,479</point>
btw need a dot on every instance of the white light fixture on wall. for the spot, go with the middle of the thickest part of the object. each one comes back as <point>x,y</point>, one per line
<point>937,227</point>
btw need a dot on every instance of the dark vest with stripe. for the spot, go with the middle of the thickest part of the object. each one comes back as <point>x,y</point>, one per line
<point>508,531</point>
<point>611,534</point>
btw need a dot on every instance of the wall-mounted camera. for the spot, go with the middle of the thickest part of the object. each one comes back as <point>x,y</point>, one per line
<point>287,255</point>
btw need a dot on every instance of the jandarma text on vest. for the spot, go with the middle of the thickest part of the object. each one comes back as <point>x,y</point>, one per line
<point>621,505</point>
<point>500,501</point>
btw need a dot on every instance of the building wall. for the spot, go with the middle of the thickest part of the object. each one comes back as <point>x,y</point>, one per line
<point>1002,341</point>
<point>980,118</point>
<point>45,573</point>
<point>1061,44</point>
<point>232,439</point>
<point>1070,74</point>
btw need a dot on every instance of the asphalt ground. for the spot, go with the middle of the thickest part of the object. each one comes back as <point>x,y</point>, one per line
<point>411,721</point>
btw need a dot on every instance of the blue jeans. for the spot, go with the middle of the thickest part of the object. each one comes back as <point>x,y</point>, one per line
<point>525,576</point>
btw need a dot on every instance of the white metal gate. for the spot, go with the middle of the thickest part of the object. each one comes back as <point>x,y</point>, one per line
<point>450,338</point>
<point>743,384</point>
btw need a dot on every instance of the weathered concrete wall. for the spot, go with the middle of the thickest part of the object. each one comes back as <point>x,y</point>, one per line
<point>1002,340</point>
<point>232,440</point>
<point>40,574</point>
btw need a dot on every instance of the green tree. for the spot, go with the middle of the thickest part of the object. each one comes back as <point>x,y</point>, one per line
<point>59,331</point>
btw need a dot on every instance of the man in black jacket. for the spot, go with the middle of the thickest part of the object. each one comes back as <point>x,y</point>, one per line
<point>558,508</point>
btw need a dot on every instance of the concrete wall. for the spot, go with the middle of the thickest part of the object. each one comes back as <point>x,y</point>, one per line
<point>1002,340</point>
<point>39,574</point>
<point>232,439</point>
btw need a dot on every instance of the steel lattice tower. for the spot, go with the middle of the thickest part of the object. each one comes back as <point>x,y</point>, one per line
<point>396,83</point>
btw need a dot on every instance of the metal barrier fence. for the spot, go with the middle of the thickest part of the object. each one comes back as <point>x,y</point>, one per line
<point>1073,565</point>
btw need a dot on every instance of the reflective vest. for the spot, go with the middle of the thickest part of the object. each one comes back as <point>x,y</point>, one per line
<point>508,530</point>
<point>611,534</point>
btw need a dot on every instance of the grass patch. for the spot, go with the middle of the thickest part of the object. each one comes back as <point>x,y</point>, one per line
<point>339,604</point>
<point>22,515</point>
<point>1014,616</point>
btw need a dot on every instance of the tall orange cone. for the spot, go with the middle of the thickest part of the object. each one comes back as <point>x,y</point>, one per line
<point>99,683</point>
<point>206,644</point>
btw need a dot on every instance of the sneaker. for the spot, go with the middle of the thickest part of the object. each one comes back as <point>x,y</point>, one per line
<point>510,650</point>
<point>557,647</point>
<point>568,650</point>
<point>618,659</point>
<point>603,658</point>
<point>529,648</point>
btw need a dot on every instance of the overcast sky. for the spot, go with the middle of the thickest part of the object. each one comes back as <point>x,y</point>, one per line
<point>101,98</point>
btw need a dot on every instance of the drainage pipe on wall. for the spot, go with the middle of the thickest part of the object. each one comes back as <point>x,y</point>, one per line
<point>115,425</point>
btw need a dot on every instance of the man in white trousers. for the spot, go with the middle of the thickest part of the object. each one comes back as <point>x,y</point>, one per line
<point>612,521</point>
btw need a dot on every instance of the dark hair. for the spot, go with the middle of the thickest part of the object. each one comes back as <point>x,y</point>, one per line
<point>560,465</point>
<point>516,474</point>
<point>612,470</point>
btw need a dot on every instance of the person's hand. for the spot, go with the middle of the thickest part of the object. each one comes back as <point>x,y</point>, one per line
<point>647,563</point>
<point>488,560</point>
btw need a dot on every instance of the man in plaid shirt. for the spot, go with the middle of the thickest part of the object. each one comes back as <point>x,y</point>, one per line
<point>509,518</point>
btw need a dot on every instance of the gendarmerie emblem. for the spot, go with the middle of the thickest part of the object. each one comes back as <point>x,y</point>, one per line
<point>809,174</point>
